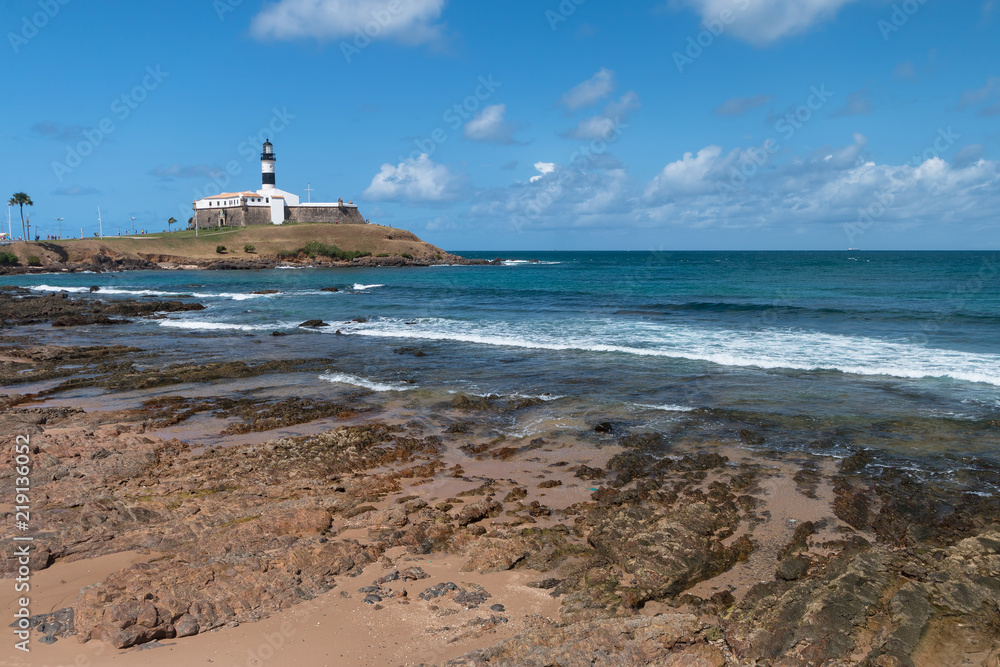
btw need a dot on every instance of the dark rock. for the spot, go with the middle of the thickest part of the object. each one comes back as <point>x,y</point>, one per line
<point>314,324</point>
<point>668,640</point>
<point>792,568</point>
<point>751,437</point>
<point>414,574</point>
<point>588,473</point>
<point>603,427</point>
<point>515,494</point>
<point>186,626</point>
<point>478,511</point>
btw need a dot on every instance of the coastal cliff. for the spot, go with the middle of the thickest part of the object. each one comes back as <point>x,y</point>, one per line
<point>239,248</point>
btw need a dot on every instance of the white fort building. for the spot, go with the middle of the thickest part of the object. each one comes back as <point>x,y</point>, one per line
<point>269,205</point>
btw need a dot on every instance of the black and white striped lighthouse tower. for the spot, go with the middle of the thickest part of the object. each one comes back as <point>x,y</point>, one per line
<point>267,166</point>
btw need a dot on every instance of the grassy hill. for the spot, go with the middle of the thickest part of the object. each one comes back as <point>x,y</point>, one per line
<point>268,241</point>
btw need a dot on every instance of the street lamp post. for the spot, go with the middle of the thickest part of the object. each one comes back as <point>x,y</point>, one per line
<point>60,221</point>
<point>133,219</point>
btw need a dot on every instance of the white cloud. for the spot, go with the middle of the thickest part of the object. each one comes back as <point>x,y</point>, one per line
<point>762,22</point>
<point>980,95</point>
<point>968,155</point>
<point>591,91</point>
<point>858,103</point>
<point>831,187</point>
<point>905,70</point>
<point>415,22</point>
<point>544,168</point>
<point>737,106</point>
<point>822,191</point>
<point>415,180</point>
<point>490,126</point>
<point>605,125</point>
<point>692,174</point>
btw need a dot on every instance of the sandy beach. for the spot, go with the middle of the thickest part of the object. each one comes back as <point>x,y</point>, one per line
<point>193,514</point>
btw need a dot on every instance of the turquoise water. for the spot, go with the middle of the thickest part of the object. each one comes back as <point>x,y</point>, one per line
<point>825,351</point>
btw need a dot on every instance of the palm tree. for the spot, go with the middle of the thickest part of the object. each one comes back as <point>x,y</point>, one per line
<point>170,223</point>
<point>20,199</point>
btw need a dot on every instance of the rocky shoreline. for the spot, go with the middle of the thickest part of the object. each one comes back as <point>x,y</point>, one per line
<point>620,548</point>
<point>105,262</point>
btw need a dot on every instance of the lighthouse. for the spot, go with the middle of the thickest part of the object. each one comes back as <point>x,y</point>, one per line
<point>269,204</point>
<point>267,167</point>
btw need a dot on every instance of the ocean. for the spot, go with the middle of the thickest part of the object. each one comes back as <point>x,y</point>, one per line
<point>816,352</point>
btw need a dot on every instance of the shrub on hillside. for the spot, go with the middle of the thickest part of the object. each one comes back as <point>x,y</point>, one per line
<point>249,249</point>
<point>317,249</point>
<point>8,259</point>
<point>34,261</point>
<point>382,254</point>
<point>221,249</point>
<point>406,255</point>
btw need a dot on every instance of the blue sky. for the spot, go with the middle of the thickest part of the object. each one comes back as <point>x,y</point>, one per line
<point>526,124</point>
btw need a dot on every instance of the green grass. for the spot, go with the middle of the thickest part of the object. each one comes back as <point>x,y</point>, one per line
<point>317,249</point>
<point>183,234</point>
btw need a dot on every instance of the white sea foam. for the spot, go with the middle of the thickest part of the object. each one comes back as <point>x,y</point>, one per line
<point>516,394</point>
<point>343,378</point>
<point>773,349</point>
<point>540,397</point>
<point>119,291</point>
<point>138,292</point>
<point>202,325</point>
<point>527,262</point>
<point>666,407</point>
<point>360,288</point>
<point>235,296</point>
<point>51,288</point>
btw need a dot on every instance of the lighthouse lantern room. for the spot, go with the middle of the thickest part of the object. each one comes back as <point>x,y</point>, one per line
<point>267,160</point>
